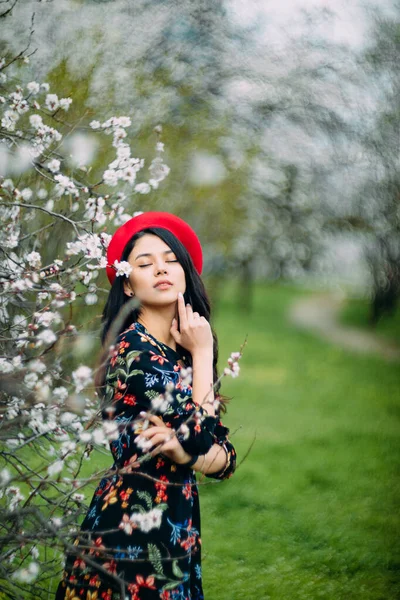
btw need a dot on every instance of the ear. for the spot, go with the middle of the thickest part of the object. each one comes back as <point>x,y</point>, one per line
<point>127,289</point>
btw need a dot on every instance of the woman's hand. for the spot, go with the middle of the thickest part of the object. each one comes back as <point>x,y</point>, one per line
<point>194,333</point>
<point>163,439</point>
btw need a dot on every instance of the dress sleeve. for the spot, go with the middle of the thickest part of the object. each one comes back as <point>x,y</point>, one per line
<point>221,438</point>
<point>141,378</point>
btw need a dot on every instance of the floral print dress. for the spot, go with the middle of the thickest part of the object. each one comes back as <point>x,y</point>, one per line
<point>144,526</point>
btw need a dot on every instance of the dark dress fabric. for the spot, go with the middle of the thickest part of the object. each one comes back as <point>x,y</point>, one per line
<point>144,526</point>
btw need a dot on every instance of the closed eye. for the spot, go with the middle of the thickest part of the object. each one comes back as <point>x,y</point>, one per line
<point>149,264</point>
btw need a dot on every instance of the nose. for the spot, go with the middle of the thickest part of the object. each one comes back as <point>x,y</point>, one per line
<point>161,269</point>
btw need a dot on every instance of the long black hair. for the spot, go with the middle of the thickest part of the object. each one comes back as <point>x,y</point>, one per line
<point>195,295</point>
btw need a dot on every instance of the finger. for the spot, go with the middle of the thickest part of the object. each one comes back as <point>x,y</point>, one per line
<point>182,312</point>
<point>155,419</point>
<point>196,315</point>
<point>152,431</point>
<point>158,443</point>
<point>189,313</point>
<point>151,417</point>
<point>174,331</point>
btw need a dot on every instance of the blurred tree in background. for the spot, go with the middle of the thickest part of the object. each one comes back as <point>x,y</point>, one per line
<point>379,200</point>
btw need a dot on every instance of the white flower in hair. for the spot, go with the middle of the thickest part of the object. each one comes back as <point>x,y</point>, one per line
<point>123,268</point>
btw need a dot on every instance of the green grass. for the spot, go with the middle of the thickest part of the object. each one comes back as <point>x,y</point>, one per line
<point>356,313</point>
<point>313,512</point>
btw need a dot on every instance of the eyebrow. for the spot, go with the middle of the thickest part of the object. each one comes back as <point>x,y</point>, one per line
<point>149,253</point>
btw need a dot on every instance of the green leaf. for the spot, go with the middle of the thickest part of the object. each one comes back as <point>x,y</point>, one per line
<point>176,570</point>
<point>182,399</point>
<point>145,496</point>
<point>155,558</point>
<point>170,586</point>
<point>138,507</point>
<point>151,394</point>
<point>135,372</point>
<point>163,506</point>
<point>131,356</point>
<point>118,372</point>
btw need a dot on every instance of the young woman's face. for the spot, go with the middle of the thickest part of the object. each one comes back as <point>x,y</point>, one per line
<point>156,276</point>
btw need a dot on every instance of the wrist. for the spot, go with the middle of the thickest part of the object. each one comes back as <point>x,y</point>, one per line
<point>192,461</point>
<point>202,354</point>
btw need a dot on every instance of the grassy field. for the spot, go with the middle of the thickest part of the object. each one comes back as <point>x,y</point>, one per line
<point>313,512</point>
<point>356,313</point>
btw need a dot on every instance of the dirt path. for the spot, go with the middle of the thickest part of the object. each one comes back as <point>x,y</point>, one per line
<point>320,313</point>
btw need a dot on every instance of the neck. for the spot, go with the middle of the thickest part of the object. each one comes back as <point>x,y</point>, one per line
<point>158,322</point>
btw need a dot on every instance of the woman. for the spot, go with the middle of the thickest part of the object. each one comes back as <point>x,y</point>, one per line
<point>141,536</point>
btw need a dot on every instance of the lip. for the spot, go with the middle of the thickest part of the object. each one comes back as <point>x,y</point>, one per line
<point>164,282</point>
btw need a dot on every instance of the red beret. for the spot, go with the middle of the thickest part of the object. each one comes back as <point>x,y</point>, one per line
<point>175,225</point>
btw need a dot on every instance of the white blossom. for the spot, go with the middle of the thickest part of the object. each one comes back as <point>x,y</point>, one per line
<point>26,194</point>
<point>33,87</point>
<point>98,436</point>
<point>5,477</point>
<point>34,259</point>
<point>54,165</point>
<point>9,120</point>
<point>110,177</point>
<point>30,380</point>
<point>37,366</point>
<point>123,268</point>
<point>78,497</point>
<point>60,393</point>
<point>67,418</point>
<point>36,121</point>
<point>158,169</point>
<point>142,188</point>
<point>65,103</point>
<point>159,404</point>
<point>95,124</point>
<point>82,377</point>
<point>8,184</point>
<point>47,317</point>
<point>65,185</point>
<point>55,467</point>
<point>105,239</point>
<point>110,429</point>
<point>27,574</point>
<point>52,102</point>
<point>47,336</point>
<point>91,299</point>
<point>5,366</point>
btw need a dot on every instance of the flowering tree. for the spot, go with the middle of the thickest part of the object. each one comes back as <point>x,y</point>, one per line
<point>55,211</point>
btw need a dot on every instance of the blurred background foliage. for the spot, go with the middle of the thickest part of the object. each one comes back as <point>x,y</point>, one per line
<point>283,156</point>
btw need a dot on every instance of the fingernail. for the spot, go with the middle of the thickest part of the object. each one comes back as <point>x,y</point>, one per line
<point>180,294</point>
<point>142,413</point>
<point>173,321</point>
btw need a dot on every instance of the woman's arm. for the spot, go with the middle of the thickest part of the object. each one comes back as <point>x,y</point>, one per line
<point>220,460</point>
<point>212,462</point>
<point>203,392</point>
<point>196,336</point>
